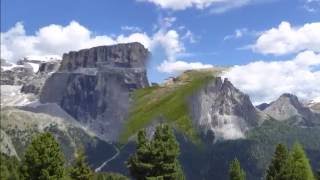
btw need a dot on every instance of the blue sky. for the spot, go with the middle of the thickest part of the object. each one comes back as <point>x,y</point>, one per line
<point>209,33</point>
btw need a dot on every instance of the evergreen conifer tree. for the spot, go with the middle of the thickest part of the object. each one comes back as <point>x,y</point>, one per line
<point>278,163</point>
<point>81,170</point>
<point>43,159</point>
<point>235,171</point>
<point>297,166</point>
<point>156,158</point>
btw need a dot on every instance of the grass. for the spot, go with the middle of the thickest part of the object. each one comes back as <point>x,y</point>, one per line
<point>167,102</point>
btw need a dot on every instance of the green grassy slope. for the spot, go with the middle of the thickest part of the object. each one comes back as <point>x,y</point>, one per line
<point>168,102</point>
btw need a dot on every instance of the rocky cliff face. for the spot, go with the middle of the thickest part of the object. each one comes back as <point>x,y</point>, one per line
<point>223,111</point>
<point>93,85</point>
<point>288,107</point>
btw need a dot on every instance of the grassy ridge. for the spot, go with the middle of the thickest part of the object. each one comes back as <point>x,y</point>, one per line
<point>168,102</point>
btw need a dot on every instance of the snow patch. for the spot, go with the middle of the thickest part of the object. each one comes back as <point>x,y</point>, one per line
<point>45,58</point>
<point>11,96</point>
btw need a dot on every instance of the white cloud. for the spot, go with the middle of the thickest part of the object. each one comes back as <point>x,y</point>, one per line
<point>286,39</point>
<point>216,6</point>
<point>238,33</point>
<point>190,37</point>
<point>49,40</point>
<point>131,28</point>
<point>180,66</point>
<point>266,81</point>
<point>54,40</point>
<point>199,4</point>
<point>170,42</point>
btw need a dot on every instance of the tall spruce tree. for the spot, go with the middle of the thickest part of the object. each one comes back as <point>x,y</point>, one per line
<point>156,158</point>
<point>297,166</point>
<point>278,163</point>
<point>43,159</point>
<point>318,175</point>
<point>235,171</point>
<point>81,170</point>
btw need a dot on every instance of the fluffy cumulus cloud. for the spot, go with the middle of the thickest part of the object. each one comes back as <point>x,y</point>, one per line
<point>266,81</point>
<point>54,40</point>
<point>286,39</point>
<point>180,66</point>
<point>49,40</point>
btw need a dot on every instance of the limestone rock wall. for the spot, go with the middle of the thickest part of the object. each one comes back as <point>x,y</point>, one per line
<point>93,85</point>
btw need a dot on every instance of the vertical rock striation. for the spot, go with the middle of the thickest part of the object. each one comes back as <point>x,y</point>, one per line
<point>93,85</point>
<point>223,112</point>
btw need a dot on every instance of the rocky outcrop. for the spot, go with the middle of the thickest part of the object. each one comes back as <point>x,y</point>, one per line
<point>223,112</point>
<point>93,85</point>
<point>288,108</point>
<point>16,75</point>
<point>35,84</point>
<point>262,106</point>
<point>30,74</point>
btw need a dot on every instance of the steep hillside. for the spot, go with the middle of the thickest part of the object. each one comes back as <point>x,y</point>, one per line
<point>19,126</point>
<point>168,102</point>
<point>197,103</point>
<point>256,151</point>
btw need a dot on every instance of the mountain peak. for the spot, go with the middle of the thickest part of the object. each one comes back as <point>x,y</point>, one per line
<point>223,109</point>
<point>288,95</point>
<point>288,107</point>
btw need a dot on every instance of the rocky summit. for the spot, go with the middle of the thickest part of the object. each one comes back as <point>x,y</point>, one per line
<point>288,108</point>
<point>93,85</point>
<point>221,108</point>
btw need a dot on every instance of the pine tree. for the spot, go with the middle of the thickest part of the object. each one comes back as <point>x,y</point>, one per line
<point>235,171</point>
<point>318,175</point>
<point>9,167</point>
<point>81,170</point>
<point>157,158</point>
<point>278,163</point>
<point>297,166</point>
<point>43,159</point>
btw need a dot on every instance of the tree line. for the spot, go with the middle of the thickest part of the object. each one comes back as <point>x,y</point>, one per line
<point>285,165</point>
<point>155,158</point>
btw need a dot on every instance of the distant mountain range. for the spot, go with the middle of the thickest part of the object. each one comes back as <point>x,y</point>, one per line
<point>101,96</point>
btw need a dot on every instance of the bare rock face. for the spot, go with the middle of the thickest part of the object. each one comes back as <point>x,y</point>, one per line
<point>223,112</point>
<point>30,74</point>
<point>93,85</point>
<point>288,108</point>
<point>35,84</point>
<point>16,75</point>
